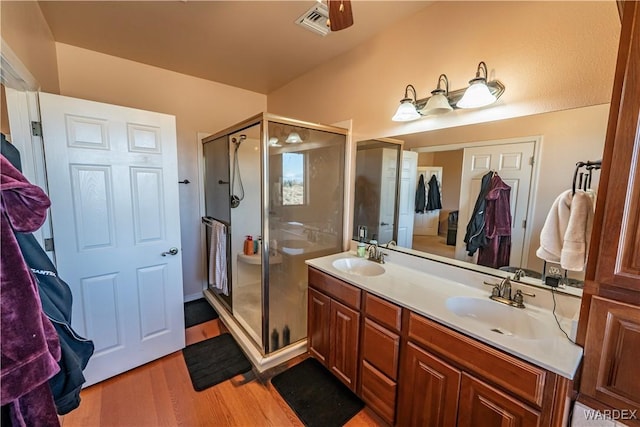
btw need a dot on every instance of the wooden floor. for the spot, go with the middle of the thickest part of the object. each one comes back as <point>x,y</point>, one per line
<point>160,394</point>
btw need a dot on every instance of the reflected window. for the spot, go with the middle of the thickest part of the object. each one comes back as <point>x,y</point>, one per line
<point>293,179</point>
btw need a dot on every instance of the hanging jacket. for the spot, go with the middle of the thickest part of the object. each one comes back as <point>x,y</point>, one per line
<point>433,195</point>
<point>56,299</point>
<point>30,347</point>
<point>421,195</point>
<point>497,251</point>
<point>475,235</point>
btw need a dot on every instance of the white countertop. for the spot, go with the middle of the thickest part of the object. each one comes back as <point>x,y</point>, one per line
<point>426,294</point>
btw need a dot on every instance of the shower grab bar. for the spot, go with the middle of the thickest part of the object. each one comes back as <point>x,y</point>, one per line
<point>208,220</point>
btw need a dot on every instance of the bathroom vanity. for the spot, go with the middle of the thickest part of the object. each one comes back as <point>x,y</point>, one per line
<point>421,350</point>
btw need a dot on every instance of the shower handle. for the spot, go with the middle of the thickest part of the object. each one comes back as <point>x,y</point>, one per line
<point>172,251</point>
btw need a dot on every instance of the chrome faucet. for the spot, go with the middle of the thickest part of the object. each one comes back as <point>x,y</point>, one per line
<point>375,254</point>
<point>391,243</point>
<point>519,274</point>
<point>501,292</point>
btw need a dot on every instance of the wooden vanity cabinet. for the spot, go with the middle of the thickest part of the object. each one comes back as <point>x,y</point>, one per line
<point>609,326</point>
<point>449,379</point>
<point>333,325</point>
<point>413,371</point>
<point>380,356</point>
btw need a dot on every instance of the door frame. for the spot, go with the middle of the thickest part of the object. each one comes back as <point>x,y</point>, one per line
<point>533,189</point>
<point>23,108</point>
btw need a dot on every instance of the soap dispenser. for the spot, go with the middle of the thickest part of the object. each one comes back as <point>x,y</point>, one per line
<point>362,249</point>
<point>248,246</point>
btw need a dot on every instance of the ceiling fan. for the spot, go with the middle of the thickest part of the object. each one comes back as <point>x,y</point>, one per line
<point>340,15</point>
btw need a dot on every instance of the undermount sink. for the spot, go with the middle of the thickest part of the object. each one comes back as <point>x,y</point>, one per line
<point>497,317</point>
<point>358,267</point>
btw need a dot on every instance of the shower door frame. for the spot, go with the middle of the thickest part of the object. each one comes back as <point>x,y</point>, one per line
<point>263,119</point>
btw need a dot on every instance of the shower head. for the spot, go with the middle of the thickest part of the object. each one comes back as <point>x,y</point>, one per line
<point>238,140</point>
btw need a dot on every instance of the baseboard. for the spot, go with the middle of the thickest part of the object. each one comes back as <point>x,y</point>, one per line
<point>193,297</point>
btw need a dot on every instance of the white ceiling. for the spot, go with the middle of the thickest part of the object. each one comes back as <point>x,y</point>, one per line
<point>254,45</point>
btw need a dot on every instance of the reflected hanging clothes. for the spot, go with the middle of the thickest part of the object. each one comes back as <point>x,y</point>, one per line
<point>434,201</point>
<point>421,195</point>
<point>475,235</point>
<point>497,250</point>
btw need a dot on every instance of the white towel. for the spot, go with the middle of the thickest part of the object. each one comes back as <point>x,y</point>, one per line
<point>565,236</point>
<point>218,257</point>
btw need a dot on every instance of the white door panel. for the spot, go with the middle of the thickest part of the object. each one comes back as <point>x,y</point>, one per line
<point>511,162</point>
<point>112,174</point>
<point>407,198</point>
<point>426,223</point>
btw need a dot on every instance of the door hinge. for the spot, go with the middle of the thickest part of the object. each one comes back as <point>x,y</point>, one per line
<point>36,128</point>
<point>531,161</point>
<point>524,223</point>
<point>48,244</point>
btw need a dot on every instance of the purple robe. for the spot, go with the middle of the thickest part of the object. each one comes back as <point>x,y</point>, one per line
<point>497,251</point>
<point>30,347</point>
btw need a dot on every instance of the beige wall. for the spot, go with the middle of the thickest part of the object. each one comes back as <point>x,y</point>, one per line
<point>550,55</point>
<point>26,32</point>
<point>199,106</point>
<point>567,136</point>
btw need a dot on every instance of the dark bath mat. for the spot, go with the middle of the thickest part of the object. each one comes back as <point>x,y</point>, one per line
<point>316,396</point>
<point>198,311</point>
<point>214,360</point>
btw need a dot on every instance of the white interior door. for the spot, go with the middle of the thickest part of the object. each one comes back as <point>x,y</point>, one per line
<point>426,223</point>
<point>112,174</point>
<point>407,198</point>
<point>388,190</point>
<point>512,162</point>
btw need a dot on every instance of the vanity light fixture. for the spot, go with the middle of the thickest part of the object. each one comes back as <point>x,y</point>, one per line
<point>407,109</point>
<point>477,94</point>
<point>438,102</point>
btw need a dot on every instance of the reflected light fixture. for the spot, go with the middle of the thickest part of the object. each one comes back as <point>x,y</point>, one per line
<point>478,93</point>
<point>407,109</point>
<point>293,138</point>
<point>274,142</point>
<point>438,103</point>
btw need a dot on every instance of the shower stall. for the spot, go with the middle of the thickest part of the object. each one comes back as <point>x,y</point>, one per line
<point>281,182</point>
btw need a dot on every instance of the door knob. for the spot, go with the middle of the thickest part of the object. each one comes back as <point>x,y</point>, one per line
<point>384,223</point>
<point>172,251</point>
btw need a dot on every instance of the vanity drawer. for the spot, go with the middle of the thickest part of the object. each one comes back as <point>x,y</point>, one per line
<point>381,348</point>
<point>510,373</point>
<point>382,311</point>
<point>379,392</point>
<point>335,288</point>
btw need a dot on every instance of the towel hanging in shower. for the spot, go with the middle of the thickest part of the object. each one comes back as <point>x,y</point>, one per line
<point>218,257</point>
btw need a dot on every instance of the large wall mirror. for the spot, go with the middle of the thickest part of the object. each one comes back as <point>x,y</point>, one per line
<point>535,156</point>
<point>376,190</point>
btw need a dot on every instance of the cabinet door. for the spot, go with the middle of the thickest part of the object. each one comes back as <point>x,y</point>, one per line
<point>484,406</point>
<point>343,343</point>
<point>618,261</point>
<point>611,368</point>
<point>428,390</point>
<point>318,325</point>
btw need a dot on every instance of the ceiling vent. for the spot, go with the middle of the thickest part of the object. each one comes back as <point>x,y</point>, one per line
<point>315,19</point>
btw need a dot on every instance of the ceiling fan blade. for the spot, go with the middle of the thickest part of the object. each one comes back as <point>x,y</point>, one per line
<point>340,15</point>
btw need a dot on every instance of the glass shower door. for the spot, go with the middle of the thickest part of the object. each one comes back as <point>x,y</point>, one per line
<point>306,202</point>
